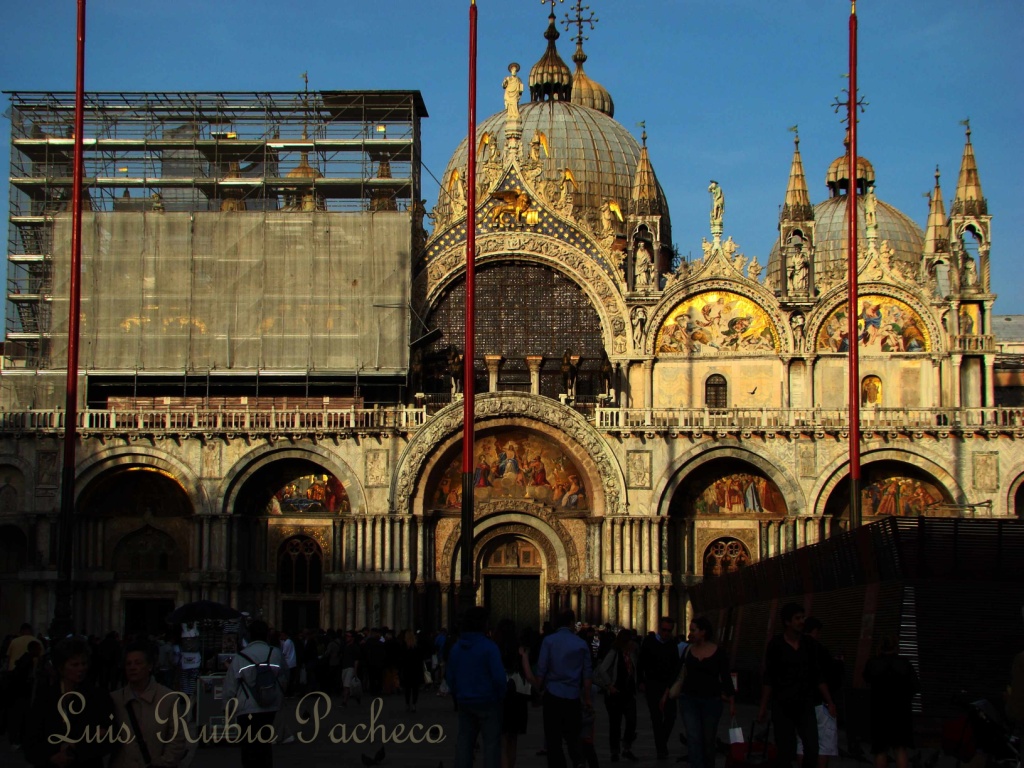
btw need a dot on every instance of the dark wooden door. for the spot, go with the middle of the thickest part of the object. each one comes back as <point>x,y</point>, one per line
<point>513,597</point>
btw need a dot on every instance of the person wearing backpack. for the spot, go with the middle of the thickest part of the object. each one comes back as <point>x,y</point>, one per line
<point>257,678</point>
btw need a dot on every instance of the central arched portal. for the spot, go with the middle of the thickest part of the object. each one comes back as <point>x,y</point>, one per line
<point>512,576</point>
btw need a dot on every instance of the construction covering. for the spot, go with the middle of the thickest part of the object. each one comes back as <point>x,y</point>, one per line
<point>237,291</point>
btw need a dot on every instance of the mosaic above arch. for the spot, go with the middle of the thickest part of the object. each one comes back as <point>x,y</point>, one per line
<point>884,324</point>
<point>309,494</point>
<point>894,494</point>
<point>715,323</point>
<point>515,464</point>
<point>731,491</point>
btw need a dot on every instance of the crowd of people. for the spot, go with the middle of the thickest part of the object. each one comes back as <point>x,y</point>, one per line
<point>494,677</point>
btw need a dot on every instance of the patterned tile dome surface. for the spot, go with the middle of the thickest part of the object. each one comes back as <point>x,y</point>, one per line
<point>601,153</point>
<point>831,236</point>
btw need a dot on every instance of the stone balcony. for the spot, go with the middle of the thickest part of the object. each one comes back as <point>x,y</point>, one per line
<point>697,422</point>
<point>299,423</point>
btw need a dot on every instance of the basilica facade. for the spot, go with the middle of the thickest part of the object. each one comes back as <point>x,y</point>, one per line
<point>643,422</point>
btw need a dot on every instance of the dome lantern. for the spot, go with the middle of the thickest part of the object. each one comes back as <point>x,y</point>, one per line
<point>550,78</point>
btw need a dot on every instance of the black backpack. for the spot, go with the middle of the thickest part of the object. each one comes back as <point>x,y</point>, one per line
<point>265,685</point>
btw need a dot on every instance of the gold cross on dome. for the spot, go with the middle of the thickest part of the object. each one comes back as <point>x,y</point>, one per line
<point>551,3</point>
<point>580,20</point>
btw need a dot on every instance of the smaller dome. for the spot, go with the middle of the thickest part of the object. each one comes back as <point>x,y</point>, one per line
<point>587,92</point>
<point>550,78</point>
<point>304,170</point>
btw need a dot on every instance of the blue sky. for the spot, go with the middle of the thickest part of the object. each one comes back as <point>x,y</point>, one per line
<point>718,83</point>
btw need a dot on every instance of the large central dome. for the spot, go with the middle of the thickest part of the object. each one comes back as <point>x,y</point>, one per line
<point>601,154</point>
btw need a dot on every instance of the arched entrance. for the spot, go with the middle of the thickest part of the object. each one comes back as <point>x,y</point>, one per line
<point>512,572</point>
<point>136,522</point>
<point>892,488</point>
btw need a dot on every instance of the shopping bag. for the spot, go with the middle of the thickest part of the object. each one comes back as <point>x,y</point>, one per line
<point>427,677</point>
<point>736,733</point>
<point>356,688</point>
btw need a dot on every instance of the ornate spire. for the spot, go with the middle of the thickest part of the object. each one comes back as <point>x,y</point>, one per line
<point>644,199</point>
<point>936,235</point>
<point>798,202</point>
<point>550,78</point>
<point>586,92</point>
<point>969,200</point>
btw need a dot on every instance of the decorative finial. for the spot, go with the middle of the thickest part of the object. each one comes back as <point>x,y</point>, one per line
<point>967,124</point>
<point>796,134</point>
<point>936,174</point>
<point>642,125</point>
<point>579,20</point>
<point>551,3</point>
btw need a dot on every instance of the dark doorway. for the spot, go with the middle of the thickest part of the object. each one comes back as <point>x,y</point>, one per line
<point>297,615</point>
<point>145,615</point>
<point>513,597</point>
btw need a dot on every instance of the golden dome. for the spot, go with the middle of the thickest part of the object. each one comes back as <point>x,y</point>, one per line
<point>587,92</point>
<point>304,170</point>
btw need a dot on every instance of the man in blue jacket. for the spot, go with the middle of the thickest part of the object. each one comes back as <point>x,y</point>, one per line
<point>478,683</point>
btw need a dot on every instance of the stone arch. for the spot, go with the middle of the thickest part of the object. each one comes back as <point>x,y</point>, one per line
<point>125,457</point>
<point>837,470</point>
<point>683,466</point>
<point>680,293</point>
<point>429,444</point>
<point>561,559</point>
<point>18,474</point>
<point>1015,491</point>
<point>836,297</point>
<point>577,261</point>
<point>247,466</point>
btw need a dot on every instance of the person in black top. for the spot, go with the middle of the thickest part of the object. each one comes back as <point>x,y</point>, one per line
<point>704,682</point>
<point>791,677</point>
<point>659,664</point>
<point>76,715</point>
<point>617,675</point>
<point>894,684</point>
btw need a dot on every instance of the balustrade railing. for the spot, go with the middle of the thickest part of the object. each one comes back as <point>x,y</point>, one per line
<point>699,419</point>
<point>410,418</point>
<point>198,420</point>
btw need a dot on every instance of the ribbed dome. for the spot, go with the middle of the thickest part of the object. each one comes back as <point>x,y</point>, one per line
<point>304,170</point>
<point>586,92</point>
<point>601,154</point>
<point>831,243</point>
<point>550,78</point>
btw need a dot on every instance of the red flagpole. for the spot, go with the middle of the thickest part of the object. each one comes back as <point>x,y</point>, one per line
<point>63,621</point>
<point>467,590</point>
<point>854,342</point>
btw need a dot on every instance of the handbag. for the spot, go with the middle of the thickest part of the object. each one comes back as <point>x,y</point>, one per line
<point>427,677</point>
<point>355,689</point>
<point>736,733</point>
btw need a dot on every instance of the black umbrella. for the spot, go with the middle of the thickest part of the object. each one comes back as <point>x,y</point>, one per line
<point>201,610</point>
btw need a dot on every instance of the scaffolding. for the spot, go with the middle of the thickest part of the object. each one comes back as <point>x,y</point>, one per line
<point>330,159</point>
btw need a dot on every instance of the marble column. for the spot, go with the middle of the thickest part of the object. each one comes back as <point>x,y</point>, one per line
<point>956,384</point>
<point>533,362</point>
<point>493,364</point>
<point>990,381</point>
<point>648,384</point>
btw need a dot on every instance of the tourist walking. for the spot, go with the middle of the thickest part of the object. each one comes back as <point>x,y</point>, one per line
<point>259,696</point>
<point>659,665</point>
<point>71,662</point>
<point>791,677</point>
<point>894,684</point>
<point>564,671</point>
<point>703,684</point>
<point>831,671</point>
<point>136,706</point>
<point>477,682</point>
<point>410,669</point>
<point>616,674</point>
